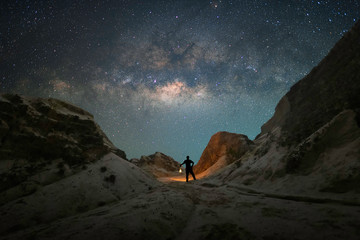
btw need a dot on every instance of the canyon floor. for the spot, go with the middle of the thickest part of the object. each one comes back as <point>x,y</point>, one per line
<point>204,210</point>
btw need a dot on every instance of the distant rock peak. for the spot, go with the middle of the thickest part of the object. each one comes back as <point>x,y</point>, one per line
<point>157,164</point>
<point>224,146</point>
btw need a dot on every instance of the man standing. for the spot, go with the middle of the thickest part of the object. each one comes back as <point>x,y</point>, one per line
<point>188,164</point>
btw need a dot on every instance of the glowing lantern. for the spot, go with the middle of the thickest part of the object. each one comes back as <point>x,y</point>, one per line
<point>180,170</point>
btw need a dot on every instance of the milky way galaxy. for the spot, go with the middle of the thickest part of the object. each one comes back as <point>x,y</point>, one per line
<point>166,75</point>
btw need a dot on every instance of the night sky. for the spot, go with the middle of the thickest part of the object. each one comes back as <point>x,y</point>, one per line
<point>166,75</point>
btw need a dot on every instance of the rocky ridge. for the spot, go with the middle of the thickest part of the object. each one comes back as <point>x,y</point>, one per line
<point>157,164</point>
<point>56,163</point>
<point>330,88</point>
<point>36,132</point>
<point>222,149</point>
<point>311,144</point>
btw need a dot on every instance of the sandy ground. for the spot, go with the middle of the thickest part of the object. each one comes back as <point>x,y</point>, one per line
<point>204,210</point>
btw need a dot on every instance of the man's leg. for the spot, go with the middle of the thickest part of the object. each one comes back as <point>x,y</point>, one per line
<point>187,176</point>
<point>192,173</point>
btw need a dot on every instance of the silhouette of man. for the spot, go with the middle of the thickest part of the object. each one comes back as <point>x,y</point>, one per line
<point>188,164</point>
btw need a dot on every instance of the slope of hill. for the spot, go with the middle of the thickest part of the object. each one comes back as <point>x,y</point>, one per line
<point>222,149</point>
<point>312,143</point>
<point>56,162</point>
<point>36,132</point>
<point>103,182</point>
<point>330,88</point>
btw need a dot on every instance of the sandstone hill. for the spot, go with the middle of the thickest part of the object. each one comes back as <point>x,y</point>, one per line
<point>35,132</point>
<point>330,88</point>
<point>56,163</point>
<point>222,149</point>
<point>312,143</point>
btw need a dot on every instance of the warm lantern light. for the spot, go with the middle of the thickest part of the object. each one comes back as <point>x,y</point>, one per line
<point>180,170</point>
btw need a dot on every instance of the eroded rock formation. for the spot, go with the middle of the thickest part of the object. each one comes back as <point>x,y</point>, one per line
<point>36,132</point>
<point>157,164</point>
<point>222,149</point>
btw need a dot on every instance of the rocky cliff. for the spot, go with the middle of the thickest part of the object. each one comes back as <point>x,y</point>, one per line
<point>330,88</point>
<point>56,162</point>
<point>312,143</point>
<point>36,132</point>
<point>222,149</point>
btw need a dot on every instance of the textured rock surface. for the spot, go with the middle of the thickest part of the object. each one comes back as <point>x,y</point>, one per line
<point>37,132</point>
<point>225,147</point>
<point>330,88</point>
<point>157,164</point>
<point>106,181</point>
<point>312,143</point>
<point>56,162</point>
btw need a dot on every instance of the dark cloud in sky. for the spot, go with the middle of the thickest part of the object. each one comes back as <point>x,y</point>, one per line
<point>166,75</point>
